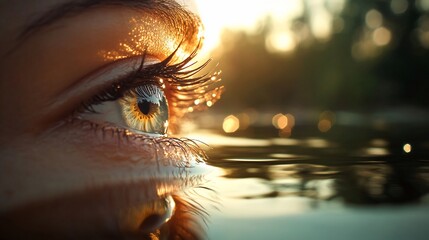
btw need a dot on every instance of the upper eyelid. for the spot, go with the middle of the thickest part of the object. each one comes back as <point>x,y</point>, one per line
<point>171,10</point>
<point>178,77</point>
<point>92,84</point>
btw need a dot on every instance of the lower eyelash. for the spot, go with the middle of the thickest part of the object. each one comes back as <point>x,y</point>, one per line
<point>178,152</point>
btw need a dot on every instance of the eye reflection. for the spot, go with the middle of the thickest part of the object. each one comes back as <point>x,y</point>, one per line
<point>146,109</point>
<point>126,211</point>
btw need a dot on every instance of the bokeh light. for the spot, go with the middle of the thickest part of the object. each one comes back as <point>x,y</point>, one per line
<point>326,121</point>
<point>231,124</point>
<point>373,19</point>
<point>407,148</point>
<point>280,42</point>
<point>280,121</point>
<point>381,36</point>
<point>399,6</point>
<point>283,122</point>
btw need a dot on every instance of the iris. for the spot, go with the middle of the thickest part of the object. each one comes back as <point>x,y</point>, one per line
<point>146,109</point>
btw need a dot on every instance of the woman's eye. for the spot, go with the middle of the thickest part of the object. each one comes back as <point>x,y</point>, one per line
<point>146,109</point>
<point>137,100</point>
<point>142,109</point>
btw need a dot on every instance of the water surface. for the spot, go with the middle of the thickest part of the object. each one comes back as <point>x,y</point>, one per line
<point>349,183</point>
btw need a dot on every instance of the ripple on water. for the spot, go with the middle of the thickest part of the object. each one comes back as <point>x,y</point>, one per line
<point>287,156</point>
<point>251,160</point>
<point>243,188</point>
<point>301,170</point>
<point>272,157</point>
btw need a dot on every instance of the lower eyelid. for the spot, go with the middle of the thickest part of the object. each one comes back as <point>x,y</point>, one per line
<point>153,148</point>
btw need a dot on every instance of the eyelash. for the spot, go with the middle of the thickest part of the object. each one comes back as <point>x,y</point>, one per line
<point>186,91</point>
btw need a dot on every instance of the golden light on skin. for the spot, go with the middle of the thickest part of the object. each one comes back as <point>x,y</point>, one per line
<point>231,124</point>
<point>407,148</point>
<point>181,39</point>
<point>144,37</point>
<point>125,33</point>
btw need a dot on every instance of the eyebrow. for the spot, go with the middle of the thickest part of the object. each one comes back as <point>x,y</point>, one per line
<point>173,11</point>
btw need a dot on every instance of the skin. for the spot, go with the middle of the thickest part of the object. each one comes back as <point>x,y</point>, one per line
<point>50,163</point>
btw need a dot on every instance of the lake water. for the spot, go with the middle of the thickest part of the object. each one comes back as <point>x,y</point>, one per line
<point>348,183</point>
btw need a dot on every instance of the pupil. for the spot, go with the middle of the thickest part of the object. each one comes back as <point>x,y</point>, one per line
<point>144,107</point>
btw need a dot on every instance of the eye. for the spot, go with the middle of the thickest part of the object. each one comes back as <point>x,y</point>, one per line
<point>136,100</point>
<point>146,109</point>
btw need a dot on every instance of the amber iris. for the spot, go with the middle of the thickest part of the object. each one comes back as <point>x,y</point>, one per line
<point>146,109</point>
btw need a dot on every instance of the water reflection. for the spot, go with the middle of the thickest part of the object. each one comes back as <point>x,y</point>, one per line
<point>382,183</point>
<point>125,211</point>
<point>291,185</point>
<point>323,170</point>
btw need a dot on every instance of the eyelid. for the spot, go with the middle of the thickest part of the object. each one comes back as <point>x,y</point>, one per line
<point>66,102</point>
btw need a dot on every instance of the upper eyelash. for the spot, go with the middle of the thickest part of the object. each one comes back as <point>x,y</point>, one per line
<point>188,92</point>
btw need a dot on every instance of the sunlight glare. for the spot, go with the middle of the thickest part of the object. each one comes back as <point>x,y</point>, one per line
<point>320,19</point>
<point>280,42</point>
<point>247,16</point>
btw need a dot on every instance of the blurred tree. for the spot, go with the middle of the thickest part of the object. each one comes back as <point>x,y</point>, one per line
<point>356,68</point>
